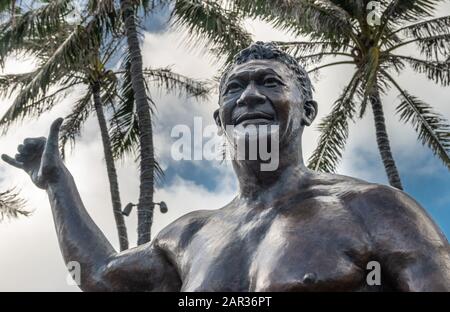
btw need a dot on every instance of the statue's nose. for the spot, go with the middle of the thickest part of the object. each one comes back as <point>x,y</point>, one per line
<point>251,96</point>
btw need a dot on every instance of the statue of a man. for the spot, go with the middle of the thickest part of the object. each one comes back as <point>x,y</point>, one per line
<point>289,229</point>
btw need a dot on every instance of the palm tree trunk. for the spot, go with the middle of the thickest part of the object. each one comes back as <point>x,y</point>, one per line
<point>147,159</point>
<point>13,13</point>
<point>111,169</point>
<point>384,146</point>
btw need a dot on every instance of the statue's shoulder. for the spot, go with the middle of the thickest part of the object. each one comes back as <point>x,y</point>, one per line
<point>350,189</point>
<point>376,203</point>
<point>185,226</point>
<point>340,184</point>
<point>381,208</point>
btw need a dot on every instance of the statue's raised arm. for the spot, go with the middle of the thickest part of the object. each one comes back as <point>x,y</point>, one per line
<point>102,269</point>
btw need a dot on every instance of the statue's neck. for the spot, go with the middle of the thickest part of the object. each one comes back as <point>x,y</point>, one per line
<point>254,181</point>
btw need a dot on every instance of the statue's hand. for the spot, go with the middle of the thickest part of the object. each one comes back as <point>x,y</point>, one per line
<point>39,157</point>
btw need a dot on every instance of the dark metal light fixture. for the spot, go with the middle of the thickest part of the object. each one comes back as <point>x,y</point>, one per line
<point>129,207</point>
<point>162,207</point>
<point>127,210</point>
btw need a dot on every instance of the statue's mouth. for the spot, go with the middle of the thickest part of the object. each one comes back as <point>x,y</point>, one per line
<point>254,118</point>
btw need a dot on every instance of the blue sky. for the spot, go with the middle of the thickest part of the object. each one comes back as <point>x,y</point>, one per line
<point>431,191</point>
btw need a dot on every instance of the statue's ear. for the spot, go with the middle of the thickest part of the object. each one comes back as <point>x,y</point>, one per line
<point>310,112</point>
<point>218,122</point>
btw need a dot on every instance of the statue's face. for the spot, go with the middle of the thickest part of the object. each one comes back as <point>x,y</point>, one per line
<point>264,92</point>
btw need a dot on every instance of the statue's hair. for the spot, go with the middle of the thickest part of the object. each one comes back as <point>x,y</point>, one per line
<point>268,51</point>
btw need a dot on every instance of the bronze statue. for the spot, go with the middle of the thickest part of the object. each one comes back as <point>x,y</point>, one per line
<point>291,229</point>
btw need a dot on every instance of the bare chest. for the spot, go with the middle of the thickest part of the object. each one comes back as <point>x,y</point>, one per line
<point>320,249</point>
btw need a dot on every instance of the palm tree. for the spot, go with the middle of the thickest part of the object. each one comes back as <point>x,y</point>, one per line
<point>341,29</point>
<point>204,19</point>
<point>48,53</point>
<point>11,206</point>
<point>69,59</point>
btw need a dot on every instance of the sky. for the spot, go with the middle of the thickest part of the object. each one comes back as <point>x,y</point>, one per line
<point>29,252</point>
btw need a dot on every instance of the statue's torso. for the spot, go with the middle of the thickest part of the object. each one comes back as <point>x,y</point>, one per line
<point>298,242</point>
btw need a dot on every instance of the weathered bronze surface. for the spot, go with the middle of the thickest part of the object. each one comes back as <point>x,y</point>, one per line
<point>291,229</point>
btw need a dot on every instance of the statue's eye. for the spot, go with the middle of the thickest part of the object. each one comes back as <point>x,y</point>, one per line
<point>272,82</point>
<point>233,87</point>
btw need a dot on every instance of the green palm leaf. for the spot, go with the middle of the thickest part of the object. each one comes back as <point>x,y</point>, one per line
<point>433,47</point>
<point>334,130</point>
<point>309,53</point>
<point>316,18</point>
<point>438,72</point>
<point>72,126</point>
<point>432,27</point>
<point>5,5</point>
<point>206,21</point>
<point>37,23</point>
<point>124,125</point>
<point>107,13</point>
<point>68,58</point>
<point>165,79</point>
<point>401,10</point>
<point>11,206</point>
<point>432,128</point>
<point>13,82</point>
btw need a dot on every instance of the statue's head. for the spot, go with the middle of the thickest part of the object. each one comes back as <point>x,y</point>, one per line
<point>265,85</point>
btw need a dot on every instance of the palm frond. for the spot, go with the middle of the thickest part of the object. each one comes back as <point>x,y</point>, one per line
<point>397,12</point>
<point>12,82</point>
<point>329,64</point>
<point>124,130</point>
<point>35,23</point>
<point>355,8</point>
<point>36,106</point>
<point>390,62</point>
<point>11,205</point>
<point>320,19</point>
<point>334,130</point>
<point>438,72</point>
<point>68,58</point>
<point>165,79</point>
<point>73,123</point>
<point>5,5</point>
<point>409,10</point>
<point>311,59</point>
<point>432,27</point>
<point>433,47</point>
<point>124,127</point>
<point>43,48</point>
<point>309,53</point>
<point>432,128</point>
<point>107,13</point>
<point>217,27</point>
<point>299,48</point>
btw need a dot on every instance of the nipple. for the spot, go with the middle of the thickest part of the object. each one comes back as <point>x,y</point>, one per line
<point>309,278</point>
